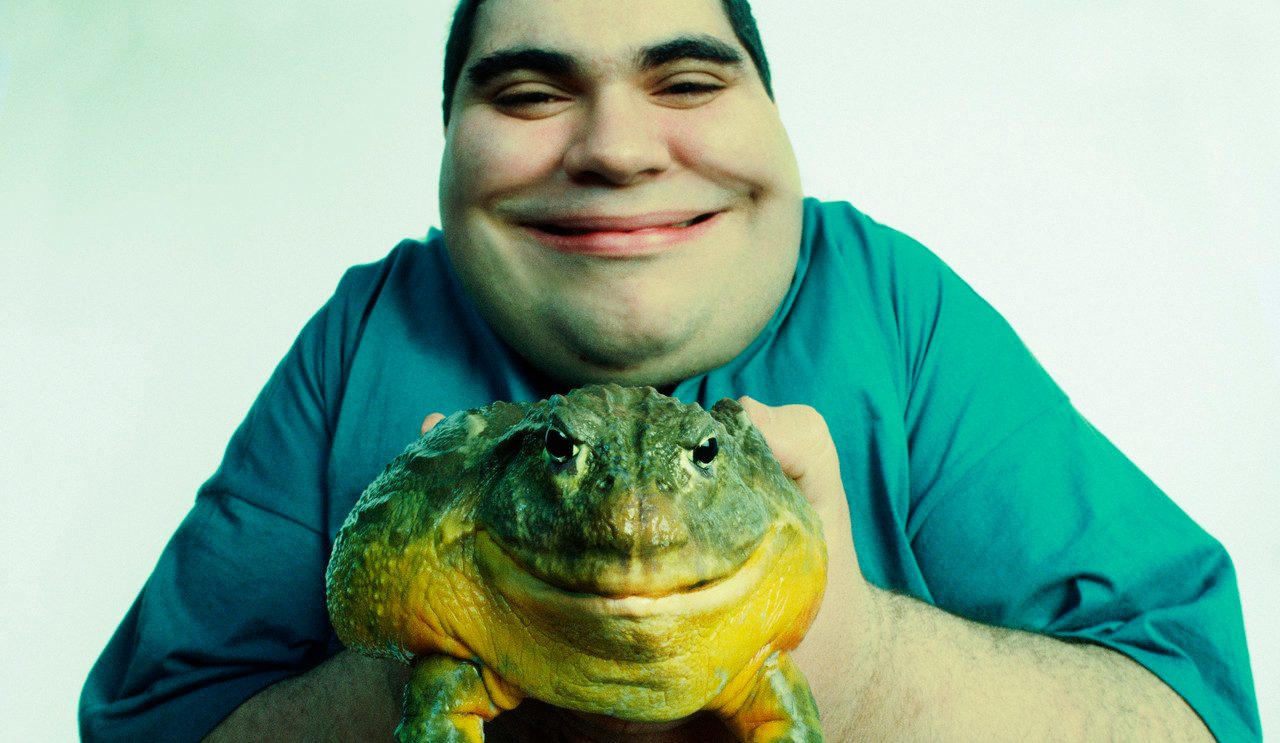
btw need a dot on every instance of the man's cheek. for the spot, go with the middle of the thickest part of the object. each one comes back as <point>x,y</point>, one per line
<point>703,143</point>
<point>507,158</point>
<point>742,168</point>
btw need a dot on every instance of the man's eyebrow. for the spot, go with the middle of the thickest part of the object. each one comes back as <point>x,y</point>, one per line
<point>491,66</point>
<point>697,46</point>
<point>558,64</point>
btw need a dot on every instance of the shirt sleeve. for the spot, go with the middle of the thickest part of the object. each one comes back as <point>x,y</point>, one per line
<point>1023,515</point>
<point>236,601</point>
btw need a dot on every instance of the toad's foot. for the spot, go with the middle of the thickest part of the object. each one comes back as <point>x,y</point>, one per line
<point>779,707</point>
<point>448,701</point>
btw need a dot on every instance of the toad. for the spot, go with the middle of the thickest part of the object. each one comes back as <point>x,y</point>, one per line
<point>611,551</point>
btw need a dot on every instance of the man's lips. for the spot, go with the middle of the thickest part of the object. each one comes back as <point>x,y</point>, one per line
<point>620,236</point>
<point>582,223</point>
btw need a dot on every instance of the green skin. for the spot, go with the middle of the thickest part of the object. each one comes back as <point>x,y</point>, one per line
<point>472,555</point>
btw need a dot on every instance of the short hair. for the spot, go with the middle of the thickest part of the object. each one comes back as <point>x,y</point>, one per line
<point>462,31</point>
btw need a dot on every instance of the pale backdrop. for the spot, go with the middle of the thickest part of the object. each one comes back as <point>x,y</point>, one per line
<point>182,184</point>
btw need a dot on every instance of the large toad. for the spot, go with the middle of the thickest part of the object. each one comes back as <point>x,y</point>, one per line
<point>611,551</point>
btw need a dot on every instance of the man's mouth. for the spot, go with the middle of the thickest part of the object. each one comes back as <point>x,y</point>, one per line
<point>586,226</point>
<point>621,236</point>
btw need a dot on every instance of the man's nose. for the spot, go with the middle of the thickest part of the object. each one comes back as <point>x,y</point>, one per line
<point>620,142</point>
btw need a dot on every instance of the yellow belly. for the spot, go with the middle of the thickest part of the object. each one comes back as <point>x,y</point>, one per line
<point>644,658</point>
<point>636,657</point>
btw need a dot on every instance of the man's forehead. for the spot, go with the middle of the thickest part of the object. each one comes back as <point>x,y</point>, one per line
<point>615,30</point>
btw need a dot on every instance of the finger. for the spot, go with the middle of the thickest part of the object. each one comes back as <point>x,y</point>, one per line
<point>430,421</point>
<point>802,444</point>
<point>800,441</point>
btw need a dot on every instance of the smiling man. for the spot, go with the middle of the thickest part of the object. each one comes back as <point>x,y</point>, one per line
<point>621,203</point>
<point>612,176</point>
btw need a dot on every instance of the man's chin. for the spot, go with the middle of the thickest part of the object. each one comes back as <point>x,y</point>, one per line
<point>652,371</point>
<point>661,367</point>
<point>612,330</point>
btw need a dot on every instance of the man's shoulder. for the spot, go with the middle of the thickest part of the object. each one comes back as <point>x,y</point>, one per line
<point>840,239</point>
<point>382,300</point>
<point>411,256</point>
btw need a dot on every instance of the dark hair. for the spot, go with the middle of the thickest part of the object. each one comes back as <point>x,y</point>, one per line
<point>464,20</point>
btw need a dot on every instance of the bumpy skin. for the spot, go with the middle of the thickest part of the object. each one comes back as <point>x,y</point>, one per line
<point>611,551</point>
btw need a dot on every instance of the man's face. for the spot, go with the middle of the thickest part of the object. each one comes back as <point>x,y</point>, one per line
<point>617,191</point>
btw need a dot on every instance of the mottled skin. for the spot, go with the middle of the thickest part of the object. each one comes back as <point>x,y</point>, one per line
<point>611,551</point>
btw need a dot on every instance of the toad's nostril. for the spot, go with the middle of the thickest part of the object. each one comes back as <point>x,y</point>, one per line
<point>640,524</point>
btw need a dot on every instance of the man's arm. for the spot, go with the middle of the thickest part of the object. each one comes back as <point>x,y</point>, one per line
<point>888,667</point>
<point>236,602</point>
<point>936,676</point>
<point>348,697</point>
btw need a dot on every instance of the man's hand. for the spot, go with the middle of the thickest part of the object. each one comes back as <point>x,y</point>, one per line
<point>840,651</point>
<point>430,421</point>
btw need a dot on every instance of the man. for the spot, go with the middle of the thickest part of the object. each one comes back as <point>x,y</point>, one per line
<point>620,202</point>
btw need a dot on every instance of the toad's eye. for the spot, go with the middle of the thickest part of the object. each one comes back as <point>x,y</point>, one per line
<point>559,447</point>
<point>705,452</point>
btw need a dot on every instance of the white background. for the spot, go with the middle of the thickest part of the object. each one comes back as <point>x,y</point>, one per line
<point>182,184</point>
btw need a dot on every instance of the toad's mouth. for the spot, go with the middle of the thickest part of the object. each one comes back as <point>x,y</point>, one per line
<point>640,590</point>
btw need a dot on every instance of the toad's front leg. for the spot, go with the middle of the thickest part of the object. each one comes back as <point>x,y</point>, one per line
<point>448,701</point>
<point>778,706</point>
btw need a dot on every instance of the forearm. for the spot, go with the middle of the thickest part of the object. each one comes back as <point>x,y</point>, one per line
<point>348,697</point>
<point>939,677</point>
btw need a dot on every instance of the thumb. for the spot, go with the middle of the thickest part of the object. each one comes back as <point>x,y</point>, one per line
<point>801,442</point>
<point>430,421</point>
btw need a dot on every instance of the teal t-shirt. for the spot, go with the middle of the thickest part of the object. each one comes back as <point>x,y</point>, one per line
<point>972,482</point>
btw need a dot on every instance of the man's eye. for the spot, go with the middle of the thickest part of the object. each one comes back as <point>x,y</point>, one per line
<point>692,89</point>
<point>689,93</point>
<point>528,98</point>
